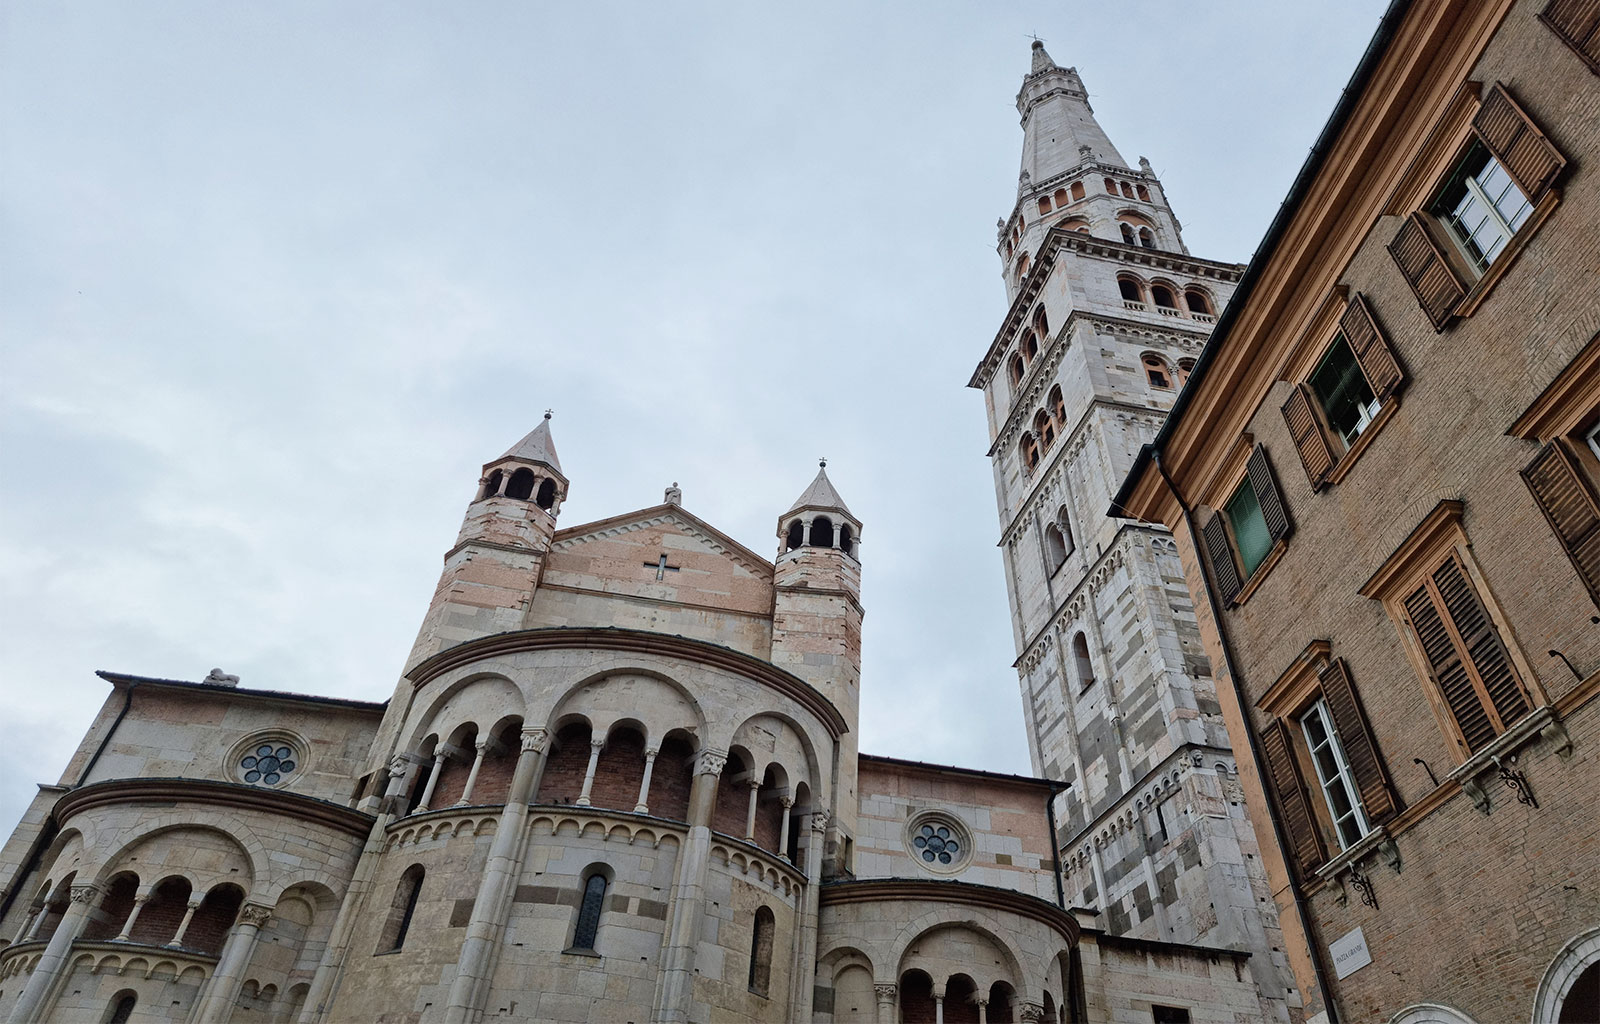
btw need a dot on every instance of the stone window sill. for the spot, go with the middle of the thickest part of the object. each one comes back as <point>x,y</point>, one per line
<point>575,951</point>
<point>1377,841</point>
<point>1541,723</point>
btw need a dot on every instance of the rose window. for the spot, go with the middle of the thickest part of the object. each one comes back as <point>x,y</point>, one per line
<point>267,764</point>
<point>936,844</point>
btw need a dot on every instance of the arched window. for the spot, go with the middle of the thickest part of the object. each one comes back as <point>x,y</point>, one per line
<point>1061,197</point>
<point>1127,190</point>
<point>761,951</point>
<point>1018,368</point>
<point>1044,204</point>
<point>521,484</point>
<point>594,897</point>
<point>1080,659</point>
<point>1022,266</point>
<point>796,536</point>
<point>1045,428</point>
<point>1058,407</point>
<point>121,1009</point>
<point>1111,186</point>
<point>1162,296</point>
<point>1030,451</point>
<point>1127,234</point>
<point>491,486</point>
<point>1131,292</point>
<point>401,909</point>
<point>822,532</point>
<point>1030,346</point>
<point>1185,367</point>
<point>1077,190</point>
<point>1147,238</point>
<point>1156,372</point>
<point>1041,322</point>
<point>1144,193</point>
<point>1198,303</point>
<point>846,539</point>
<point>1055,548</point>
<point>547,494</point>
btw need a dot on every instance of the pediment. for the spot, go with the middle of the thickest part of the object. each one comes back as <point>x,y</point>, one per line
<point>665,518</point>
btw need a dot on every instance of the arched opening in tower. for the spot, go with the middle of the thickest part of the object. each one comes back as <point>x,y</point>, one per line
<point>547,495</point>
<point>796,537</point>
<point>521,484</point>
<point>822,532</point>
<point>846,540</point>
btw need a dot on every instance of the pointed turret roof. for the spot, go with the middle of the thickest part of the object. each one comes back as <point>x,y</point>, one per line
<point>536,447</point>
<point>821,495</point>
<point>1041,59</point>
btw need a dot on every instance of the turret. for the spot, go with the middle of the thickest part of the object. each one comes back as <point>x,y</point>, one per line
<point>816,629</point>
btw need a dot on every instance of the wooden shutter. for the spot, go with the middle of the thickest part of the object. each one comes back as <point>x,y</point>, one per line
<point>1577,22</point>
<point>1224,571</point>
<point>1267,494</point>
<point>1469,663</point>
<point>1371,348</point>
<point>1426,270</point>
<point>1360,748</point>
<point>1294,807</point>
<point>1569,503</point>
<point>1517,142</point>
<point>1316,454</point>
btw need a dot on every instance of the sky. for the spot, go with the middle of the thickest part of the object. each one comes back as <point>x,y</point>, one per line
<point>277,279</point>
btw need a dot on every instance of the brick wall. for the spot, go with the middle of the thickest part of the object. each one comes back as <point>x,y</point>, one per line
<point>565,766</point>
<point>621,769</point>
<point>158,921</point>
<point>671,781</point>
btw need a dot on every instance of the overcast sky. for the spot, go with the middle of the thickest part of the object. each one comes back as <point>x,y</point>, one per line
<point>277,279</point>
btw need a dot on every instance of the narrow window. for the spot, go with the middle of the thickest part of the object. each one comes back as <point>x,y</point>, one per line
<point>1080,657</point>
<point>1251,522</point>
<point>1127,234</point>
<point>1147,238</point>
<point>491,486</point>
<point>1155,371</point>
<point>1168,1014</point>
<point>1030,346</point>
<point>796,537</point>
<point>1061,197</point>
<point>1333,772</point>
<point>1161,295</point>
<point>1127,190</point>
<point>1058,407</point>
<point>1144,193</point>
<point>1129,288</point>
<point>1018,368</point>
<point>547,494</point>
<point>1563,489</point>
<point>1343,392</point>
<point>1249,527</point>
<point>1198,303</point>
<point>1055,548</point>
<point>1022,266</point>
<point>121,1009</point>
<point>1111,186</point>
<point>1482,206</point>
<point>520,485</point>
<point>761,952</point>
<point>594,896</point>
<point>1041,322</point>
<point>846,538</point>
<point>1044,428</point>
<point>1185,367</point>
<point>1030,452</point>
<point>1077,191</point>
<point>1044,204</point>
<point>401,910</point>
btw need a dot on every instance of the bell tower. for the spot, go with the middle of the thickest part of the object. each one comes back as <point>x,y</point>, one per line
<point>1107,312</point>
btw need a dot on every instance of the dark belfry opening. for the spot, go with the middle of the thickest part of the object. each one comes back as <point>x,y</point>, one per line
<point>822,532</point>
<point>1162,295</point>
<point>1147,238</point>
<point>1129,289</point>
<point>547,495</point>
<point>491,486</point>
<point>845,538</point>
<point>1127,234</point>
<point>796,537</point>
<point>521,485</point>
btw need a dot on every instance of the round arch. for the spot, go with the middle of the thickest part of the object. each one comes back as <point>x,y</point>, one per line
<point>1577,956</point>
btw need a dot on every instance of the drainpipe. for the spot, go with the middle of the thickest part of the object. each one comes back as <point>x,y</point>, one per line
<point>1256,757</point>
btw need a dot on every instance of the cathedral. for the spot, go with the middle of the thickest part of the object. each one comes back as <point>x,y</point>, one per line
<point>618,778</point>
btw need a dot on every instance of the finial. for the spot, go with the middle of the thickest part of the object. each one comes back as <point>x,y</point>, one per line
<point>548,413</point>
<point>823,462</point>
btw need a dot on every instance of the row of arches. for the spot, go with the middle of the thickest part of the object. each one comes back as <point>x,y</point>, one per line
<point>1072,193</point>
<point>1048,424</point>
<point>522,484</point>
<point>818,532</point>
<point>1158,373</point>
<point>1028,345</point>
<point>1136,294</point>
<point>168,913</point>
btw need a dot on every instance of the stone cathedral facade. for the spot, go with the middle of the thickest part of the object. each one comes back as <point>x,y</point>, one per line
<point>618,776</point>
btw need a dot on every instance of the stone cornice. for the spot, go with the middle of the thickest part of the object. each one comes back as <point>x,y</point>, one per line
<point>925,891</point>
<point>207,791</point>
<point>613,638</point>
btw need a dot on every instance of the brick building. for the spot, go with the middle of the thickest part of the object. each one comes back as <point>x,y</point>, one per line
<point>1382,478</point>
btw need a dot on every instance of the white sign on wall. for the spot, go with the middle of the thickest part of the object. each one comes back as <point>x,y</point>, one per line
<point>1350,954</point>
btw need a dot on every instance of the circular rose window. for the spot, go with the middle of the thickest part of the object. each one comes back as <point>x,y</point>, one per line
<point>267,764</point>
<point>938,842</point>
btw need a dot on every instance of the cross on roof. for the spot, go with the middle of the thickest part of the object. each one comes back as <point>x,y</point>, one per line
<point>661,567</point>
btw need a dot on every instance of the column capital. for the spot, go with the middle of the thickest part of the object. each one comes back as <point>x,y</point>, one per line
<point>754,782</point>
<point>651,752</point>
<point>481,745</point>
<point>194,903</point>
<point>398,766</point>
<point>786,801</point>
<point>819,820</point>
<point>885,993</point>
<point>1030,1013</point>
<point>597,743</point>
<point>536,740</point>
<point>255,914</point>
<point>981,1001</point>
<point>85,893</point>
<point>710,762</point>
<point>143,895</point>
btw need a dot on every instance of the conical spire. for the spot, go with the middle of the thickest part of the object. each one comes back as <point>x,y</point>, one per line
<point>1041,59</point>
<point>821,495</point>
<point>1060,131</point>
<point>537,447</point>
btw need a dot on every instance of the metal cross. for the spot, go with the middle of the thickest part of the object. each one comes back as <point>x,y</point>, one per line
<point>661,567</point>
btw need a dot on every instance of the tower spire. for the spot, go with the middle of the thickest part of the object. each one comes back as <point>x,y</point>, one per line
<point>1059,128</point>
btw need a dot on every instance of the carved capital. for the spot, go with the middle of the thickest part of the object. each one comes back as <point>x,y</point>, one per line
<point>1030,1013</point>
<point>482,746</point>
<point>398,766</point>
<point>195,901</point>
<point>536,740</point>
<point>786,801</point>
<point>819,821</point>
<point>597,743</point>
<point>650,754</point>
<point>89,894</point>
<point>710,762</point>
<point>885,993</point>
<point>255,914</point>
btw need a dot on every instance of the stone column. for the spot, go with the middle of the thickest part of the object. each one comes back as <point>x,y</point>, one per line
<point>938,1008</point>
<point>29,923</point>
<point>472,776</point>
<point>783,835</point>
<point>983,1010</point>
<point>30,1003</point>
<point>886,1012</point>
<point>588,773</point>
<point>643,806</point>
<point>139,900</point>
<point>400,779</point>
<point>675,982</point>
<point>220,996</point>
<point>439,758</point>
<point>183,926</point>
<point>804,981</point>
<point>481,947</point>
<point>750,816</point>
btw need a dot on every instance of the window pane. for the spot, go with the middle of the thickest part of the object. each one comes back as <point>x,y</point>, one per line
<point>1342,388</point>
<point>1249,527</point>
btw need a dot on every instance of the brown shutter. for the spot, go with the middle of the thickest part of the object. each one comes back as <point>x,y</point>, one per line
<point>1267,494</point>
<point>1224,571</point>
<point>1517,142</point>
<point>1577,22</point>
<point>1360,748</point>
<point>1449,670</point>
<point>1559,487</point>
<point>1371,348</point>
<point>1482,642</point>
<point>1294,808</point>
<point>1426,270</point>
<point>1316,454</point>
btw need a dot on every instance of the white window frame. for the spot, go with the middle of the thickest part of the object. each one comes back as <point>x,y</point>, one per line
<point>1503,227</point>
<point>1592,439</point>
<point>1344,777</point>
